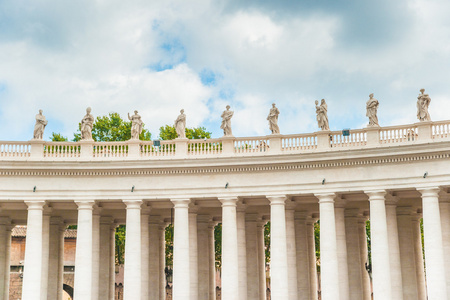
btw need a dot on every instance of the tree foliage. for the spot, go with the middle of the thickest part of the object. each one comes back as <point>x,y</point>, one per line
<point>169,133</point>
<point>58,137</point>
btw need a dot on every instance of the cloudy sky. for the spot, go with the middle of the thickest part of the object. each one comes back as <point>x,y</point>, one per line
<point>200,55</point>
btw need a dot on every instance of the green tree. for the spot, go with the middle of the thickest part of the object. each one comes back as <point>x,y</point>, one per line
<point>58,137</point>
<point>169,133</point>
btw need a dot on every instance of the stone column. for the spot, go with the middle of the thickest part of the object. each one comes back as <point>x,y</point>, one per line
<point>32,280</point>
<point>291,252</point>
<point>8,261</point>
<point>394,250</point>
<point>104,257</point>
<point>382,285</point>
<point>354,260</point>
<point>230,261</point>
<point>181,273</point>
<point>328,248</point>
<point>251,242</point>
<point>407,259</point>
<point>301,247</point>
<point>193,251</point>
<point>203,256</point>
<point>261,259</point>
<point>153,284</point>
<point>62,230</point>
<point>132,270</point>
<point>4,262</point>
<point>212,261</point>
<point>366,285</point>
<point>278,251</point>
<point>162,260</point>
<point>83,254</point>
<point>341,244</point>
<point>112,266</point>
<point>45,251</point>
<point>55,253</point>
<point>145,255</point>
<point>312,258</point>
<point>95,253</point>
<point>418,255</point>
<point>434,251</point>
<point>444,208</point>
<point>242,253</point>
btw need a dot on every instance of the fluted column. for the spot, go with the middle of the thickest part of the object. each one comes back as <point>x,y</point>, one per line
<point>444,209</point>
<point>328,248</point>
<point>394,248</point>
<point>418,255</point>
<point>145,254</point>
<point>104,257</point>
<point>341,244</point>
<point>193,251</point>
<point>353,254</point>
<point>83,254</point>
<point>181,273</point>
<point>242,254</point>
<point>32,279</point>
<point>434,251</point>
<point>301,247</point>
<point>251,242</point>
<point>261,259</point>
<point>382,288</point>
<point>4,262</point>
<point>278,248</point>
<point>313,280</point>
<point>203,256</point>
<point>212,260</point>
<point>366,285</point>
<point>153,284</point>
<point>407,259</point>
<point>162,260</point>
<point>54,269</point>
<point>132,269</point>
<point>95,253</point>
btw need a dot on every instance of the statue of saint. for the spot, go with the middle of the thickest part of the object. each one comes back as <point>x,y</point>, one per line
<point>86,125</point>
<point>423,102</point>
<point>136,125</point>
<point>372,107</point>
<point>39,127</point>
<point>273,119</point>
<point>322,117</point>
<point>226,122</point>
<point>180,125</point>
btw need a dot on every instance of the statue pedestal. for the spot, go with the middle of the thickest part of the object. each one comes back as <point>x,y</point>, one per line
<point>87,148</point>
<point>323,139</point>
<point>37,148</point>
<point>275,143</point>
<point>181,147</point>
<point>228,145</point>
<point>424,131</point>
<point>373,135</point>
<point>134,149</point>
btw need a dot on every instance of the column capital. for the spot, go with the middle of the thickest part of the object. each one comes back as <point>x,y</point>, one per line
<point>376,195</point>
<point>301,215</point>
<point>391,199</point>
<point>204,218</point>
<point>352,213</point>
<point>277,199</point>
<point>133,204</point>
<point>404,210</point>
<point>35,205</point>
<point>251,217</point>
<point>86,204</point>
<point>229,201</point>
<point>193,208</point>
<point>107,220</point>
<point>339,202</point>
<point>56,221</point>
<point>326,197</point>
<point>429,191</point>
<point>415,217</point>
<point>444,196</point>
<point>180,202</point>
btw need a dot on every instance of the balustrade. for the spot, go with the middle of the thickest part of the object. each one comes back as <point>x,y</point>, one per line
<point>15,149</point>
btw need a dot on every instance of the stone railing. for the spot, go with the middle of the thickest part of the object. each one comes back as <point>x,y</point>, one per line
<point>321,141</point>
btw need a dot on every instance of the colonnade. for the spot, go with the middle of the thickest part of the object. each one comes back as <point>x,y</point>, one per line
<point>396,250</point>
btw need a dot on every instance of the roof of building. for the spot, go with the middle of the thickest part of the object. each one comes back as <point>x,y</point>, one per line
<point>21,231</point>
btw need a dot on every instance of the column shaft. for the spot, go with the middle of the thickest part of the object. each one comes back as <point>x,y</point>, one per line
<point>230,261</point>
<point>434,251</point>
<point>242,253</point>
<point>212,261</point>
<point>301,247</point>
<point>181,273</point>
<point>328,248</point>
<point>261,261</point>
<point>162,260</point>
<point>278,248</point>
<point>32,279</point>
<point>45,253</point>
<point>313,281</point>
<point>418,255</point>
<point>193,253</point>
<point>291,254</point>
<point>54,258</point>
<point>132,269</point>
<point>4,263</point>
<point>341,244</point>
<point>61,232</point>
<point>154,262</point>
<point>366,285</point>
<point>444,208</point>
<point>380,247</point>
<point>203,257</point>
<point>112,262</point>
<point>394,250</point>
<point>83,254</point>
<point>251,242</point>
<point>105,257</point>
<point>95,255</point>
<point>353,255</point>
<point>145,256</point>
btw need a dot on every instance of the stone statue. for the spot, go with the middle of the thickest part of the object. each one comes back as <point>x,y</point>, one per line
<point>226,122</point>
<point>273,119</point>
<point>423,102</point>
<point>180,125</point>
<point>39,127</point>
<point>322,117</point>
<point>372,107</point>
<point>86,125</point>
<point>136,125</point>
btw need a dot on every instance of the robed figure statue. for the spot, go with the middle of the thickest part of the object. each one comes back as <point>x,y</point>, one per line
<point>180,125</point>
<point>39,127</point>
<point>273,119</point>
<point>136,125</point>
<point>322,117</point>
<point>226,121</point>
